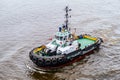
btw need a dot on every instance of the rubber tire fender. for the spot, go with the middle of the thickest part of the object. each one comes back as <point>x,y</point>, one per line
<point>48,62</point>
<point>54,61</point>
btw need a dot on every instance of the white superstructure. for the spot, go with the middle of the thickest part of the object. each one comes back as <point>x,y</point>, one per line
<point>63,43</point>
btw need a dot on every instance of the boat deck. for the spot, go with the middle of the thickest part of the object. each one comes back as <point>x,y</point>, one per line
<point>85,42</point>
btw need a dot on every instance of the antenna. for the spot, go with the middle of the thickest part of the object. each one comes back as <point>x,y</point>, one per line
<point>67,16</point>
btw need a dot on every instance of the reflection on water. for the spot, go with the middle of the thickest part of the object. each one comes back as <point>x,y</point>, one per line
<point>28,24</point>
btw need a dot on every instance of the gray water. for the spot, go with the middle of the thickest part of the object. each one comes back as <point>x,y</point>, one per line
<point>25,24</point>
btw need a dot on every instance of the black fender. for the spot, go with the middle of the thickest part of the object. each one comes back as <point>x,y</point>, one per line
<point>54,61</point>
<point>47,61</point>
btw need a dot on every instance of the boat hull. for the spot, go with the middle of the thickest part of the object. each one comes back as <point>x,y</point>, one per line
<point>58,61</point>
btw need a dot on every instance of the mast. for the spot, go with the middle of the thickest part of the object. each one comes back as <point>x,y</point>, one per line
<point>67,16</point>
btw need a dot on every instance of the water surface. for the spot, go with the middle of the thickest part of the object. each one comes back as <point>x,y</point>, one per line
<point>26,24</point>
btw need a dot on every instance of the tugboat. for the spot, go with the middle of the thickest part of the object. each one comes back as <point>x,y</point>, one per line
<point>65,48</point>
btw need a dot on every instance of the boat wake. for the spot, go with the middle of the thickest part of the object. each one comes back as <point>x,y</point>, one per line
<point>34,68</point>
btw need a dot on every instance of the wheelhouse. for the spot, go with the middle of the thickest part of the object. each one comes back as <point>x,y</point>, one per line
<point>62,36</point>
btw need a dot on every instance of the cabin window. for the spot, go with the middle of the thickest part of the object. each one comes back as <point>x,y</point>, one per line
<point>64,38</point>
<point>70,35</point>
<point>59,38</point>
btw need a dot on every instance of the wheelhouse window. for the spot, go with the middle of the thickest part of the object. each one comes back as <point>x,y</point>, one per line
<point>57,37</point>
<point>60,38</point>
